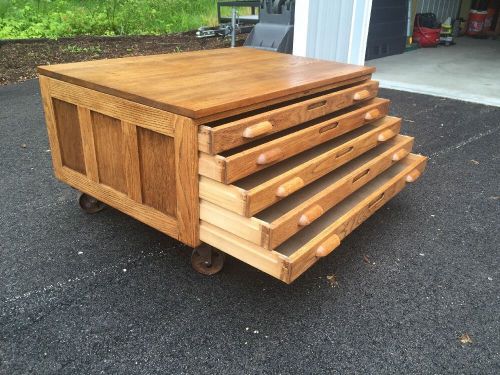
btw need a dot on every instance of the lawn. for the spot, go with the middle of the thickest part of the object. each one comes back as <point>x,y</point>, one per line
<point>60,18</point>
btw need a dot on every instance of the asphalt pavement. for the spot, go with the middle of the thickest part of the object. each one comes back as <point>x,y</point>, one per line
<point>105,294</point>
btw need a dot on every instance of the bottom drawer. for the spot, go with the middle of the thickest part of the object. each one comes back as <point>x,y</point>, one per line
<point>301,251</point>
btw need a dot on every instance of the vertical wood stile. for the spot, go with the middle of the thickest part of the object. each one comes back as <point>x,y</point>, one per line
<point>51,125</point>
<point>132,166</point>
<point>85,119</point>
<point>186,169</point>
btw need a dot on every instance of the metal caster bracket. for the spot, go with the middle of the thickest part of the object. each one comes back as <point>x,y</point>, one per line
<point>207,260</point>
<point>89,204</point>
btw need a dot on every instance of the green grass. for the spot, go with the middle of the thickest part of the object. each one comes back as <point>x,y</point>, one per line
<point>59,18</point>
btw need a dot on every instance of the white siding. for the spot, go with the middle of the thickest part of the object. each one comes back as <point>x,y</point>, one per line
<point>441,8</point>
<point>332,29</point>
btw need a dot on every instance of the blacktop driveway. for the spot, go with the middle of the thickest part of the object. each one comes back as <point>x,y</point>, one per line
<point>106,294</point>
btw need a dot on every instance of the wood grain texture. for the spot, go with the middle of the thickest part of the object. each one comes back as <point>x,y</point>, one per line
<point>125,110</point>
<point>264,260</point>
<point>147,169</point>
<point>289,187</point>
<point>213,167</point>
<point>156,219</point>
<point>50,121</point>
<point>132,162</point>
<point>243,161</point>
<point>298,254</point>
<point>69,135</point>
<point>157,170</point>
<point>186,178</point>
<point>348,181</point>
<point>249,228</point>
<point>257,192</point>
<point>348,215</point>
<point>282,220</point>
<point>87,134</point>
<point>352,212</point>
<point>190,83</point>
<point>235,133</point>
<point>327,246</point>
<point>248,110</point>
<point>264,195</point>
<point>108,141</point>
<point>228,196</point>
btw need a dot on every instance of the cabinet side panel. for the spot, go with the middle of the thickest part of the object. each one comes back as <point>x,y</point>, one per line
<point>186,161</point>
<point>69,135</point>
<point>157,166</point>
<point>108,141</point>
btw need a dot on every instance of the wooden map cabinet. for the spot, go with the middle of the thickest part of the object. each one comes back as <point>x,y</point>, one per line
<point>268,157</point>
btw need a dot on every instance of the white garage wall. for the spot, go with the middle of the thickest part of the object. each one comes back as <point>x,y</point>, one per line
<point>441,8</point>
<point>332,29</point>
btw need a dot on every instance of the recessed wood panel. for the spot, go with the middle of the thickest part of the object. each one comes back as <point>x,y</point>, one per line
<point>108,141</point>
<point>157,164</point>
<point>68,131</point>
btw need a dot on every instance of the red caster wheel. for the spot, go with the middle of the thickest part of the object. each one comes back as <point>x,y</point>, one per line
<point>207,260</point>
<point>89,204</point>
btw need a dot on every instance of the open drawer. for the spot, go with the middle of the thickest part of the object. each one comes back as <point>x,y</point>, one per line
<point>274,225</point>
<point>301,251</point>
<point>263,189</point>
<point>243,161</point>
<point>225,134</point>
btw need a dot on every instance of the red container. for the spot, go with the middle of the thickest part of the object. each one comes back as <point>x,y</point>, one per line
<point>476,22</point>
<point>426,37</point>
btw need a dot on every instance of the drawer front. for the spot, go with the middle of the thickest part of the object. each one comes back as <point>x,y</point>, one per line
<point>232,167</point>
<point>215,139</point>
<point>282,220</point>
<point>313,208</point>
<point>248,201</point>
<point>357,212</point>
<point>274,190</point>
<point>299,253</point>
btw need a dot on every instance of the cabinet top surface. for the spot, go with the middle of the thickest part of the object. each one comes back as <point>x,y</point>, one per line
<point>203,83</point>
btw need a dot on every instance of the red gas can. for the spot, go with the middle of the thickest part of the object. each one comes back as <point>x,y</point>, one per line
<point>476,22</point>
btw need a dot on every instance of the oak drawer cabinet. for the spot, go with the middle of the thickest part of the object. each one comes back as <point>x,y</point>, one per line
<point>270,158</point>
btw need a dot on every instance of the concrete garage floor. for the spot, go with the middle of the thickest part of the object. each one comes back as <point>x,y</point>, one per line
<point>468,71</point>
<point>83,294</point>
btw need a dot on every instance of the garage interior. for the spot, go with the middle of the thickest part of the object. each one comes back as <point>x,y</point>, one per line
<point>466,69</point>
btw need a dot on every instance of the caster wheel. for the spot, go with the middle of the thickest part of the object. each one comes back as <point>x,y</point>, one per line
<point>207,260</point>
<point>89,204</point>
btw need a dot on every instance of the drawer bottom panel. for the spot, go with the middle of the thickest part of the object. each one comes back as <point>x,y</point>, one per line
<point>301,251</point>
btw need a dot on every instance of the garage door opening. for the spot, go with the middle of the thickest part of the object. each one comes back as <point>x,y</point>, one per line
<point>468,69</point>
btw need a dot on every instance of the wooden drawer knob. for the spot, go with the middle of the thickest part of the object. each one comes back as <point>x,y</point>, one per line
<point>372,114</point>
<point>360,95</point>
<point>413,175</point>
<point>289,187</point>
<point>327,246</point>
<point>400,154</point>
<point>259,129</point>
<point>385,135</point>
<point>270,156</point>
<point>310,215</point>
